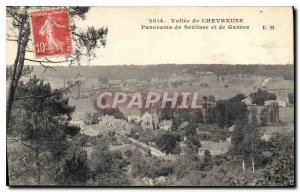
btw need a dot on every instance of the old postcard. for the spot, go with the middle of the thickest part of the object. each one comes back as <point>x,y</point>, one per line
<point>150,96</point>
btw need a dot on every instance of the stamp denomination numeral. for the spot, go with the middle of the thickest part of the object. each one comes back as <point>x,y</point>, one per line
<point>40,47</point>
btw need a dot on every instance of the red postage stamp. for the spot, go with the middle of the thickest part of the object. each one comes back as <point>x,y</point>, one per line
<point>51,32</point>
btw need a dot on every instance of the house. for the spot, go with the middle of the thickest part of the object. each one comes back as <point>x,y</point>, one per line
<point>110,123</point>
<point>146,120</point>
<point>228,139</point>
<point>269,102</point>
<point>76,123</point>
<point>78,118</point>
<point>166,125</point>
<point>231,128</point>
<point>266,137</point>
<point>134,119</point>
<point>184,125</point>
<point>247,101</point>
<point>281,103</point>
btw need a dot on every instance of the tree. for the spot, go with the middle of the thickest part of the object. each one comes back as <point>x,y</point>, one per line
<point>192,147</point>
<point>281,170</point>
<point>190,130</point>
<point>260,96</point>
<point>152,167</point>
<point>291,98</point>
<point>108,167</point>
<point>211,114</point>
<point>246,140</point>
<point>228,111</point>
<point>74,169</point>
<point>280,173</point>
<point>237,98</point>
<point>207,161</point>
<point>85,43</point>
<point>166,114</point>
<point>41,124</point>
<point>264,116</point>
<point>211,98</point>
<point>167,142</point>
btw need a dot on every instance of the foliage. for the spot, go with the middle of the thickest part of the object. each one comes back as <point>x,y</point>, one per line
<point>211,98</point>
<point>246,141</point>
<point>206,161</point>
<point>264,116</point>
<point>152,167</point>
<point>108,167</point>
<point>228,111</point>
<point>192,147</point>
<point>112,112</point>
<point>168,141</point>
<point>166,114</point>
<point>74,169</point>
<point>163,71</point>
<point>291,98</point>
<point>279,173</point>
<point>45,119</point>
<point>281,170</point>
<point>260,96</point>
<point>41,123</point>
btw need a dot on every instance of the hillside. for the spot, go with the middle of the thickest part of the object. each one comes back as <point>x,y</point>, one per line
<point>163,71</point>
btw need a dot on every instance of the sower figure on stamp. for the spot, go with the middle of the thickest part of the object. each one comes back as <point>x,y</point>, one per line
<point>48,28</point>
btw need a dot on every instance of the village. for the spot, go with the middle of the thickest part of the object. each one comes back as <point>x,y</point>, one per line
<point>131,123</point>
<point>228,138</point>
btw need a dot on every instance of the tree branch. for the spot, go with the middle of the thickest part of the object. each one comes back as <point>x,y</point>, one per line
<point>41,63</point>
<point>13,15</point>
<point>77,82</point>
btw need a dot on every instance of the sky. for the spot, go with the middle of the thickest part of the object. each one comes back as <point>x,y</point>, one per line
<point>128,44</point>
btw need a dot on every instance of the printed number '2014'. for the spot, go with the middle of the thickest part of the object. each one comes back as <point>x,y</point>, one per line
<point>156,20</point>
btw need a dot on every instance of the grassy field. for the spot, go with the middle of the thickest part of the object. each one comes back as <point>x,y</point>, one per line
<point>287,114</point>
<point>83,105</point>
<point>270,130</point>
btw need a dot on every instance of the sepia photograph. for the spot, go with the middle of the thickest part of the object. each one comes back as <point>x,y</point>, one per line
<point>150,96</point>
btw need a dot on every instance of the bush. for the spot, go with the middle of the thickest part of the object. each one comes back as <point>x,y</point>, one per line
<point>74,169</point>
<point>72,130</point>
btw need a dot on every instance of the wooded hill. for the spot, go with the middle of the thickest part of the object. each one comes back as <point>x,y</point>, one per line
<point>163,71</point>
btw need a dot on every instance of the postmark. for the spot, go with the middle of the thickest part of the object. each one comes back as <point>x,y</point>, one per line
<point>51,32</point>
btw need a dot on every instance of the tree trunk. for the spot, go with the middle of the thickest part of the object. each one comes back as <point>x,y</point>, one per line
<point>38,168</point>
<point>17,68</point>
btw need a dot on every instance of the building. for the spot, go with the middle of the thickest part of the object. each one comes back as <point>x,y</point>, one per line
<point>247,101</point>
<point>146,121</point>
<point>166,125</point>
<point>134,119</point>
<point>110,123</point>
<point>280,103</point>
<point>184,125</point>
